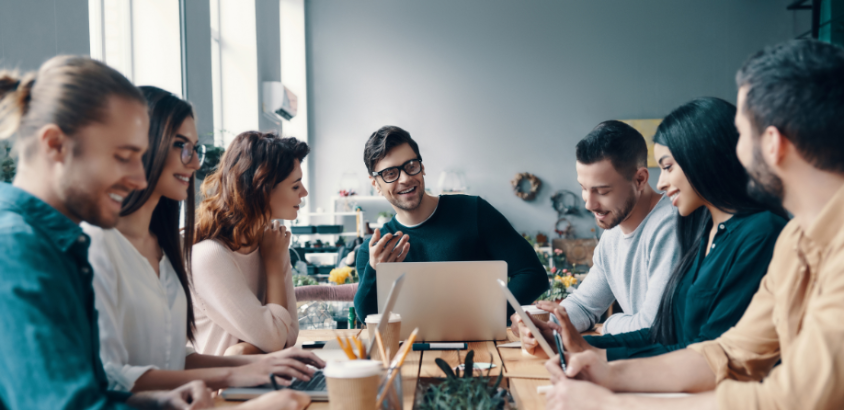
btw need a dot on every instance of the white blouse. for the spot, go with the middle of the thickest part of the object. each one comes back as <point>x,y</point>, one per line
<point>142,317</point>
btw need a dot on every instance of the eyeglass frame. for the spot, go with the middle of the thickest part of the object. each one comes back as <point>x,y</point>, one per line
<point>193,151</point>
<point>400,168</point>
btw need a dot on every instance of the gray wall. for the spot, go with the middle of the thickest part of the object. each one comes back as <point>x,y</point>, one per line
<point>269,51</point>
<point>497,87</point>
<point>32,31</point>
<point>198,40</point>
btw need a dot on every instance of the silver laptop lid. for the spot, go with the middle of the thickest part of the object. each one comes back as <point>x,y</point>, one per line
<point>447,301</point>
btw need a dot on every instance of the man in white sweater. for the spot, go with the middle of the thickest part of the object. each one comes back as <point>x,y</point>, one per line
<point>639,248</point>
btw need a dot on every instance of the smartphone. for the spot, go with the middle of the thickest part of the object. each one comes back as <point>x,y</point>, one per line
<point>559,341</point>
<point>312,345</point>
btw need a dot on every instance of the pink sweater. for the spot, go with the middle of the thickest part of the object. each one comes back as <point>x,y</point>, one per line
<point>228,302</point>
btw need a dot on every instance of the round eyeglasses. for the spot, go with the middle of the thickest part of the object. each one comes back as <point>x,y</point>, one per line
<point>188,151</point>
<point>392,174</point>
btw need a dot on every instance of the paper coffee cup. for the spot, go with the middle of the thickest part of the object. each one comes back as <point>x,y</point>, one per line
<point>353,384</point>
<point>537,314</point>
<point>391,335</point>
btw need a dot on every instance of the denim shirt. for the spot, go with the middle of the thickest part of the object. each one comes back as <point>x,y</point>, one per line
<point>49,341</point>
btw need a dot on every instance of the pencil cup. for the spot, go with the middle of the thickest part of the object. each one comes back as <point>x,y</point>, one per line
<point>537,314</point>
<point>390,336</point>
<point>353,385</point>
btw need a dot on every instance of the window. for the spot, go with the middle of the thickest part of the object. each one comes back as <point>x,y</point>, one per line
<point>139,38</point>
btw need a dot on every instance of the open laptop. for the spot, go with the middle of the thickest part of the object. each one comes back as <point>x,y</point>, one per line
<point>447,301</point>
<point>316,388</point>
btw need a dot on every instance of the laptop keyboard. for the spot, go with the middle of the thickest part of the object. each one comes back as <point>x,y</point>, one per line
<point>317,383</point>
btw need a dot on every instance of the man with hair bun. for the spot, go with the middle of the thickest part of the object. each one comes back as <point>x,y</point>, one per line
<point>81,129</point>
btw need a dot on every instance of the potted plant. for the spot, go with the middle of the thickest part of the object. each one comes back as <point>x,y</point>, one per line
<point>7,167</point>
<point>213,154</point>
<point>463,392</point>
<point>383,217</point>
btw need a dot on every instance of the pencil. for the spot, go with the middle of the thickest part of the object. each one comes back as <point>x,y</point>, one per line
<point>384,358</point>
<point>345,349</point>
<point>397,362</point>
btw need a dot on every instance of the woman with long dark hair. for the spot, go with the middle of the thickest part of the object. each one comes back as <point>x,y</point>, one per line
<point>142,281</point>
<point>243,285</point>
<point>727,238</point>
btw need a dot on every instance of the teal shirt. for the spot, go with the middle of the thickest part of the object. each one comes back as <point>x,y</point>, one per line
<point>715,292</point>
<point>462,228</point>
<point>49,341</point>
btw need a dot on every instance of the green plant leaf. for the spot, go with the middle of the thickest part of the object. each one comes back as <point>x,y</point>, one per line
<point>469,365</point>
<point>498,381</point>
<point>445,368</point>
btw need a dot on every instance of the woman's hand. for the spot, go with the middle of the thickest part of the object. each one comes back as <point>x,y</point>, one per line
<point>287,363</point>
<point>529,343</point>
<point>278,400</point>
<point>193,395</point>
<point>242,349</point>
<point>573,341</point>
<point>274,245</point>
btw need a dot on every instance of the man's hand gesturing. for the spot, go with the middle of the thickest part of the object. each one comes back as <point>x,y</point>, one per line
<point>390,248</point>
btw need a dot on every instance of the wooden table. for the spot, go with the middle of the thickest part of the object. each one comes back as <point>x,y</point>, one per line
<point>522,373</point>
<point>524,392</point>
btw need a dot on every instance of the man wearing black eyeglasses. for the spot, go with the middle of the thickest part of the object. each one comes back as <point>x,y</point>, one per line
<point>446,228</point>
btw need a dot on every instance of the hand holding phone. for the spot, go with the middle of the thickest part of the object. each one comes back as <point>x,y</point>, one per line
<point>559,341</point>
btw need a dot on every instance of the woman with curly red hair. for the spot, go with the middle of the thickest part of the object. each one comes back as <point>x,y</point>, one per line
<point>243,286</point>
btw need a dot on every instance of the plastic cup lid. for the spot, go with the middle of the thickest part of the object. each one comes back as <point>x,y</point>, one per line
<point>374,319</point>
<point>353,369</point>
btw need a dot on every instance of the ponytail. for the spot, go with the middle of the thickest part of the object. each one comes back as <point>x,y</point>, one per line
<point>15,94</point>
<point>71,92</point>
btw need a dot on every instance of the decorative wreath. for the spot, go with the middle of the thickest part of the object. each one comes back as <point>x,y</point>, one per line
<point>535,184</point>
<point>564,231</point>
<point>564,202</point>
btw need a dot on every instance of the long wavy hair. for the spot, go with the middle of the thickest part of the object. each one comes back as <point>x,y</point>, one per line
<point>236,207</point>
<point>702,138</point>
<point>166,114</point>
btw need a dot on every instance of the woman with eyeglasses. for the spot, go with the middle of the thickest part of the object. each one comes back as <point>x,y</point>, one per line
<point>243,283</point>
<point>142,281</point>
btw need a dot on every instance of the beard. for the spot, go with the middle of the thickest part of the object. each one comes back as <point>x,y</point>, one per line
<point>763,185</point>
<point>85,203</point>
<point>618,215</point>
<point>410,203</point>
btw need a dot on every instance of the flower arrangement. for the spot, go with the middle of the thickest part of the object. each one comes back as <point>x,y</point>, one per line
<point>560,285</point>
<point>303,280</point>
<point>340,276</point>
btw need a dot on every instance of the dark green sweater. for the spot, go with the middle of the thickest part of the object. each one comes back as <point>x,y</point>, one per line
<point>713,295</point>
<point>462,228</point>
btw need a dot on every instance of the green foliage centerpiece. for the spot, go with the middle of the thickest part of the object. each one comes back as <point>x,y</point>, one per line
<point>466,391</point>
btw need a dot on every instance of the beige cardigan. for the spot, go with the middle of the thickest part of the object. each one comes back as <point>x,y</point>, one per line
<point>228,302</point>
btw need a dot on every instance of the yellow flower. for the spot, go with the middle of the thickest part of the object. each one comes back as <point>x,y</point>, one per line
<point>339,275</point>
<point>569,281</point>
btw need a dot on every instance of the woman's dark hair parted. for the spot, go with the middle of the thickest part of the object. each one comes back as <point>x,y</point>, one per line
<point>166,114</point>
<point>702,137</point>
<point>236,207</point>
